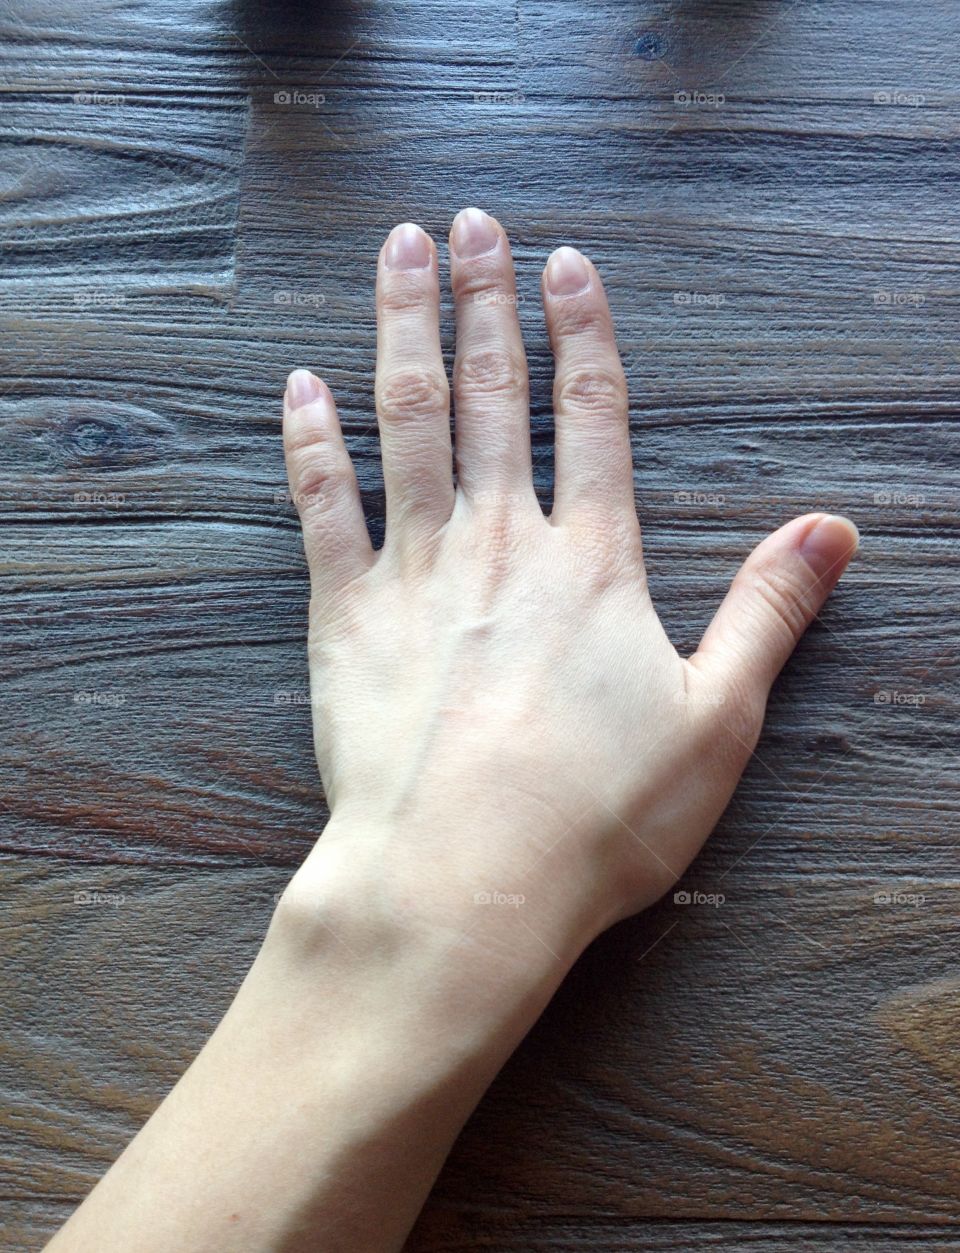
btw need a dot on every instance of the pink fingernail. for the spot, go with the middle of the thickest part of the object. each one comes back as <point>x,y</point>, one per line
<point>303,388</point>
<point>473,233</point>
<point>829,544</point>
<point>567,273</point>
<point>408,248</point>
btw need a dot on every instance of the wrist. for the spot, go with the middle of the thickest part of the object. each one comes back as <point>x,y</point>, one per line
<point>371,1026</point>
<point>466,962</point>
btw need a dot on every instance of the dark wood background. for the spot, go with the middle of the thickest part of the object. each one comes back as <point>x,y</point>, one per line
<point>179,228</point>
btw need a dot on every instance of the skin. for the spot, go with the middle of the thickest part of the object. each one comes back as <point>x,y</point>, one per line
<point>514,754</point>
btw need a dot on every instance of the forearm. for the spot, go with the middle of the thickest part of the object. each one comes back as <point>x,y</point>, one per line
<point>319,1113</point>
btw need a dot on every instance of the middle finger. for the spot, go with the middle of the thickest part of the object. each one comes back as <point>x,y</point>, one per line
<point>491,392</point>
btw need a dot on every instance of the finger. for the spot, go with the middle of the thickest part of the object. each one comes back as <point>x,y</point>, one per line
<point>594,467</point>
<point>491,392</point>
<point>323,483</point>
<point>778,591</point>
<point>412,393</point>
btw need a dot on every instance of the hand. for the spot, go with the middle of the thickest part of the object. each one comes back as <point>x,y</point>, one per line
<point>514,756</point>
<point>497,708</point>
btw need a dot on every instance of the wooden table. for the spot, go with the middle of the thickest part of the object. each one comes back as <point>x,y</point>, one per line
<point>192,199</point>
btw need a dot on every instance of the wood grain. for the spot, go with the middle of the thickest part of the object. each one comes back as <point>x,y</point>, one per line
<point>694,1033</point>
<point>192,201</point>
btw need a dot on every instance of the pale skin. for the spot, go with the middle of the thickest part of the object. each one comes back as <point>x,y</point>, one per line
<point>514,755</point>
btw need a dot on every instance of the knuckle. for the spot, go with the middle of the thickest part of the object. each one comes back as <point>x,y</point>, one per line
<point>497,553</point>
<point>412,393</point>
<point>608,550</point>
<point>316,480</point>
<point>299,435</point>
<point>583,317</point>
<point>492,371</point>
<point>405,293</point>
<point>783,597</point>
<point>482,280</point>
<point>592,390</point>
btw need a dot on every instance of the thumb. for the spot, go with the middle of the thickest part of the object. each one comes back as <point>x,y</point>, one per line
<point>777,593</point>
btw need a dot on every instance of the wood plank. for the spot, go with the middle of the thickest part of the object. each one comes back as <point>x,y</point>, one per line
<point>765,51</point>
<point>464,1232</point>
<point>790,1053</point>
<point>113,196</point>
<point>201,47</point>
<point>774,1073</point>
<point>28,1224</point>
<point>696,1062</point>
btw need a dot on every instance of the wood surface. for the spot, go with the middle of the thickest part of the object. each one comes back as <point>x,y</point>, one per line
<point>192,195</point>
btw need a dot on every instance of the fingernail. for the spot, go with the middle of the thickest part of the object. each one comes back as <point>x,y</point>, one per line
<point>567,273</point>
<point>474,233</point>
<point>303,388</point>
<point>829,543</point>
<point>408,248</point>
